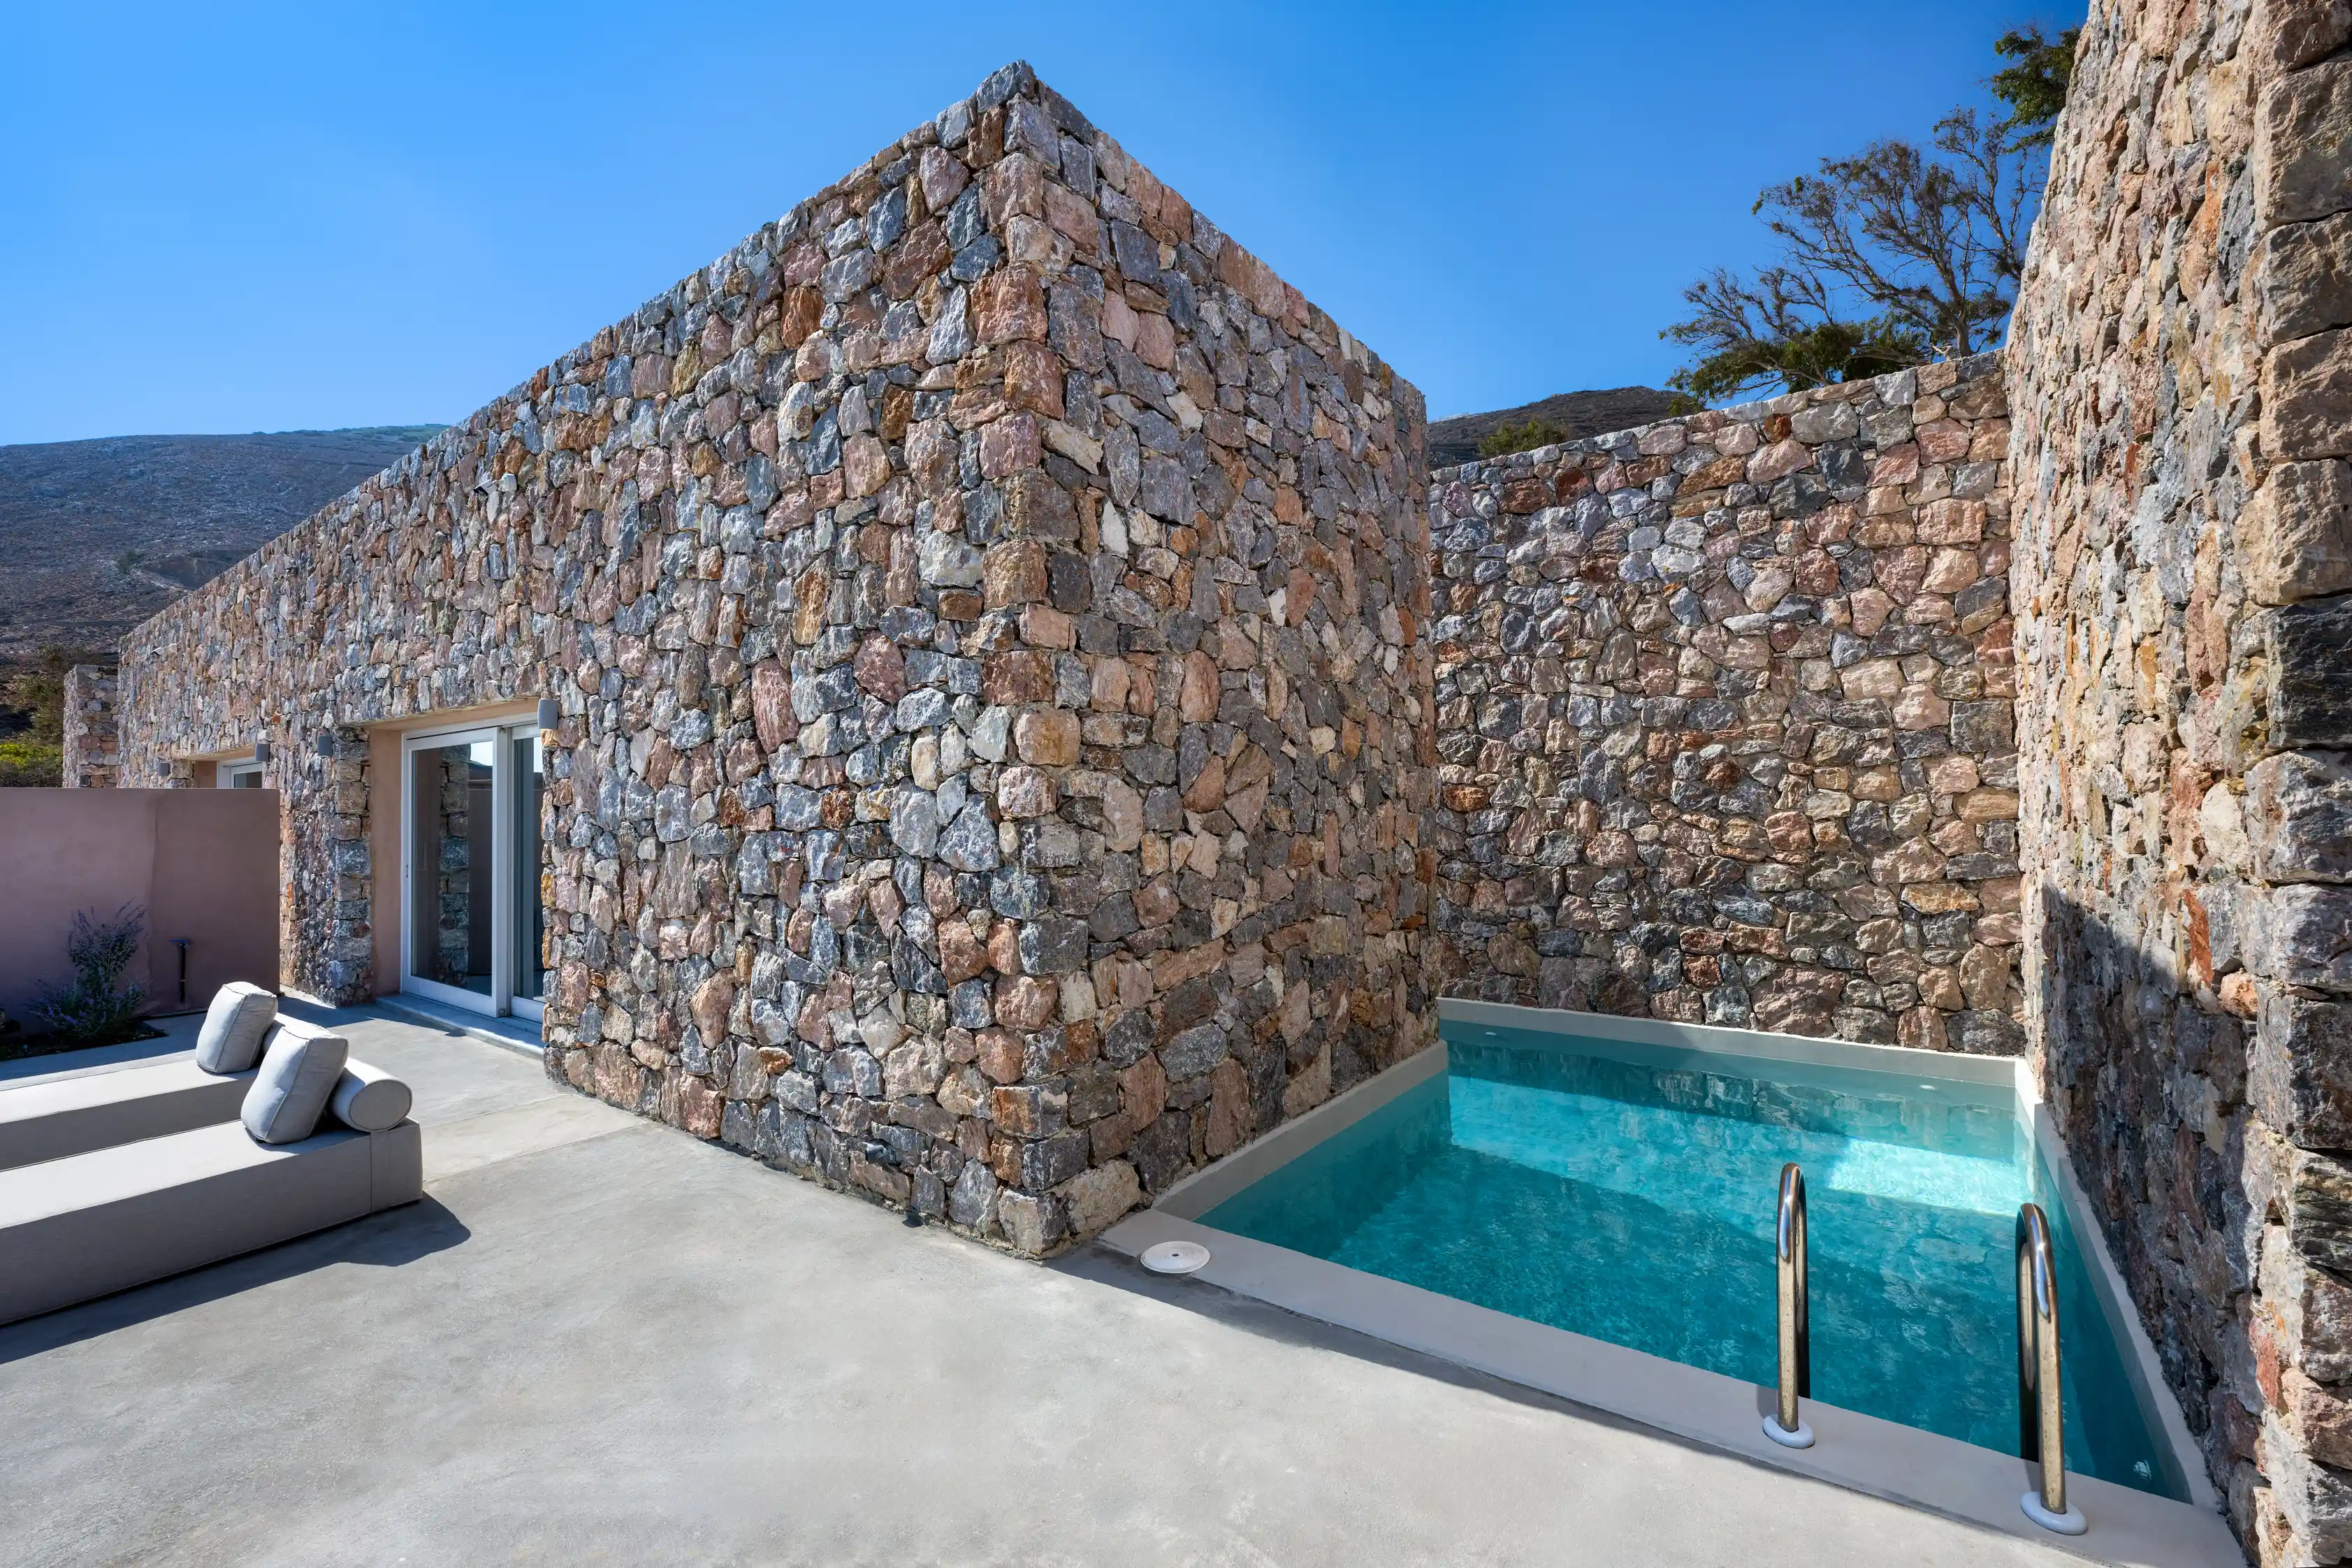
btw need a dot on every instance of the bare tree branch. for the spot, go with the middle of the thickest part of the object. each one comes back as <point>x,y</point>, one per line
<point>1931,242</point>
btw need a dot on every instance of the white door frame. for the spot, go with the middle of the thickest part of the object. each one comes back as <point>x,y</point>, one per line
<point>497,842</point>
<point>227,771</point>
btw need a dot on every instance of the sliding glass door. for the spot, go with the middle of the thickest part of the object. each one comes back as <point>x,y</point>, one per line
<point>472,927</point>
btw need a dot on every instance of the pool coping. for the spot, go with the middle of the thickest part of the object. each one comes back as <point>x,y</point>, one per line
<point>1863,1453</point>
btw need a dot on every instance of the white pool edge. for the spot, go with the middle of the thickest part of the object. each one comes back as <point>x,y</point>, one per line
<point>1880,1457</point>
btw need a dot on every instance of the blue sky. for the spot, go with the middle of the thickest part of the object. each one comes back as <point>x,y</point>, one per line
<point>230,218</point>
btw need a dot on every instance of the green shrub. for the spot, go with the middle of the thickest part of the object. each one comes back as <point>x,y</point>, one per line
<point>96,1009</point>
<point>1505,438</point>
<point>31,763</point>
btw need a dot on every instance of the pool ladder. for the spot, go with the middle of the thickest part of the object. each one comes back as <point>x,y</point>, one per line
<point>2041,1418</point>
<point>1785,1426</point>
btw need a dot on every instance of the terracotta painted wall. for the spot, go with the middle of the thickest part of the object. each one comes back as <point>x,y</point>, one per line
<point>203,862</point>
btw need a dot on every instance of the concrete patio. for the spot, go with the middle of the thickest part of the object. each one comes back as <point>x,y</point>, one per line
<point>599,1341</point>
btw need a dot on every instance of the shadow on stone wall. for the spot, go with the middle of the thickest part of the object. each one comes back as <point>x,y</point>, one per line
<point>2148,1080</point>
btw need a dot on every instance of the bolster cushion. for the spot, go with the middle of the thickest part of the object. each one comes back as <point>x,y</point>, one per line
<point>298,1075</point>
<point>368,1098</point>
<point>235,1027</point>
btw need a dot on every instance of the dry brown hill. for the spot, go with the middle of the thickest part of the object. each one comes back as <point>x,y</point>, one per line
<point>1579,414</point>
<point>98,535</point>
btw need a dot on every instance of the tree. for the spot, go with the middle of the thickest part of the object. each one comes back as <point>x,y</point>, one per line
<point>32,717</point>
<point>1889,258</point>
<point>1778,330</point>
<point>2035,87</point>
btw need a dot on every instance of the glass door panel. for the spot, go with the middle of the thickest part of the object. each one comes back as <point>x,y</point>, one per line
<point>528,924</point>
<point>451,893</point>
<point>475,928</point>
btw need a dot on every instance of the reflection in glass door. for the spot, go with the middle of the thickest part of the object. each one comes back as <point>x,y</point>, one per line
<point>528,769</point>
<point>474,924</point>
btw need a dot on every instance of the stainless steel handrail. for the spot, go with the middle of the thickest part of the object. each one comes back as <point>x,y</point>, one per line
<point>2041,1414</point>
<point>1786,1426</point>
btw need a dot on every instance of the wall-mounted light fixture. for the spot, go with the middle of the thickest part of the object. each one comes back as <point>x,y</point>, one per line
<point>261,749</point>
<point>550,714</point>
<point>327,742</point>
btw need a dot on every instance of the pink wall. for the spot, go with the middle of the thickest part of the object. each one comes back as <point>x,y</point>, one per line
<point>202,861</point>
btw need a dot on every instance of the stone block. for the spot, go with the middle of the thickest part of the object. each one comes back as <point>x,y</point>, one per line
<point>2285,34</point>
<point>2316,1500</point>
<point>2300,936</point>
<point>2297,532</point>
<point>1096,1200</point>
<point>1029,1110</point>
<point>1193,1051</point>
<point>1047,737</point>
<point>971,1201</point>
<point>2307,397</point>
<point>2302,145</point>
<point>2298,816</point>
<point>2299,1075</point>
<point>1013,573</point>
<point>1053,944</point>
<point>2305,279</point>
<point>1032,1223</point>
<point>2308,649</point>
<point>2319,1209</point>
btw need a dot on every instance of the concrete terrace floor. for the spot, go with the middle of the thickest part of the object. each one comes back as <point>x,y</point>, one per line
<point>599,1341</point>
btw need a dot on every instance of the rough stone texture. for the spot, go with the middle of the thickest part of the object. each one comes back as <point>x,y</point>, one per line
<point>1724,711</point>
<point>93,752</point>
<point>2177,372</point>
<point>986,607</point>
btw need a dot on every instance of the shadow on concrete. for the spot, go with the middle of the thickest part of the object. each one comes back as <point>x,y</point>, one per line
<point>1100,1265</point>
<point>385,1240</point>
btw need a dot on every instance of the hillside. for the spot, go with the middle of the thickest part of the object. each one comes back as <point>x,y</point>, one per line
<point>1580,414</point>
<point>98,535</point>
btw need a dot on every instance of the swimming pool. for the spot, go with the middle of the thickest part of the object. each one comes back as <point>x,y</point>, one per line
<point>1624,1190</point>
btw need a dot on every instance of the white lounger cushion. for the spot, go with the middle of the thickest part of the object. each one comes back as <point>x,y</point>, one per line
<point>369,1099</point>
<point>75,1229</point>
<point>235,1027</point>
<point>297,1077</point>
<point>56,1117</point>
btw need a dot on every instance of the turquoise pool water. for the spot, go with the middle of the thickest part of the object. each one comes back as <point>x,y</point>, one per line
<point>1627,1192</point>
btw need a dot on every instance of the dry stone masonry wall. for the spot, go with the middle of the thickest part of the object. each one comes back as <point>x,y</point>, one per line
<point>987,608</point>
<point>1723,712</point>
<point>92,753</point>
<point>2181,376</point>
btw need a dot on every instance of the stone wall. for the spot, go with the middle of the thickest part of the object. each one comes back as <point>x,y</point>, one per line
<point>92,752</point>
<point>2182,387</point>
<point>986,607</point>
<point>1724,710</point>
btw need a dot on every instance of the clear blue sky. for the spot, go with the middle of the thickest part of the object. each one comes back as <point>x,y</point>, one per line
<point>231,217</point>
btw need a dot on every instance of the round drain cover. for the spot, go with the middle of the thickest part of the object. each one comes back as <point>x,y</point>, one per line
<point>1176,1257</point>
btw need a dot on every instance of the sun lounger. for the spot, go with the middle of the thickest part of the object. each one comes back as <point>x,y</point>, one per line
<point>55,1118</point>
<point>95,1223</point>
